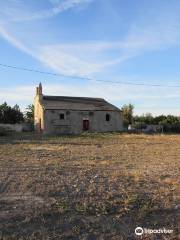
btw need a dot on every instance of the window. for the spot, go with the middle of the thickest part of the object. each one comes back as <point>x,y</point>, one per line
<point>108,117</point>
<point>91,113</point>
<point>61,116</point>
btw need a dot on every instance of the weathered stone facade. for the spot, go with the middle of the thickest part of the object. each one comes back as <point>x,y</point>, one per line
<point>74,115</point>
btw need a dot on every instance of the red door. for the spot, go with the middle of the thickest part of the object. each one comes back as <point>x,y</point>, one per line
<point>85,125</point>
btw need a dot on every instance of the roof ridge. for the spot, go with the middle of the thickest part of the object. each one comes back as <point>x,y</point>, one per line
<point>71,97</point>
<point>95,103</point>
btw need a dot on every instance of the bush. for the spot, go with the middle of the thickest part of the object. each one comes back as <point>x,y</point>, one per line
<point>4,131</point>
<point>171,128</point>
<point>139,125</point>
<point>10,114</point>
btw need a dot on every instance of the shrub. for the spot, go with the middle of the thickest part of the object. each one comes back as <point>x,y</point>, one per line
<point>4,131</point>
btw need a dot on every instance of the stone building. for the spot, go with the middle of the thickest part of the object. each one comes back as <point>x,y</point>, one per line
<point>74,115</point>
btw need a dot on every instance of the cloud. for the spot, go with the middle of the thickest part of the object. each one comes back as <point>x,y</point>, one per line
<point>66,63</point>
<point>91,56</point>
<point>145,99</point>
<point>86,58</point>
<point>16,43</point>
<point>151,37</point>
<point>69,59</point>
<point>18,10</point>
<point>76,59</point>
<point>21,95</point>
<point>58,58</point>
<point>61,6</point>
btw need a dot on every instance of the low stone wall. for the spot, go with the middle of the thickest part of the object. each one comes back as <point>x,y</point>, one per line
<point>12,127</point>
<point>19,127</point>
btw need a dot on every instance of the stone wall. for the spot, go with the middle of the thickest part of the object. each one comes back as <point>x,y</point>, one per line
<point>73,121</point>
<point>19,127</point>
<point>12,127</point>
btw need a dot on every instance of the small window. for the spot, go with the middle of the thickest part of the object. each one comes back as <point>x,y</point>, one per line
<point>108,117</point>
<point>61,116</point>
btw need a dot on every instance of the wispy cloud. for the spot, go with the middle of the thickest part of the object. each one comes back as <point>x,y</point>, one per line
<point>151,37</point>
<point>146,100</point>
<point>76,59</point>
<point>70,59</point>
<point>87,57</point>
<point>90,56</point>
<point>13,40</point>
<point>59,6</point>
<point>18,10</point>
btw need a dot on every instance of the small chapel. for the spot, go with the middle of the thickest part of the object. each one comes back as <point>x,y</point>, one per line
<point>74,115</point>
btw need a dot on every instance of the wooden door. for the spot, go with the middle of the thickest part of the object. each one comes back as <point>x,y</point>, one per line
<point>85,125</point>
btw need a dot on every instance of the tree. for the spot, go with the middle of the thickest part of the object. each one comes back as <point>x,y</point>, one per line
<point>148,118</point>
<point>128,114</point>
<point>29,114</point>
<point>160,119</point>
<point>10,114</point>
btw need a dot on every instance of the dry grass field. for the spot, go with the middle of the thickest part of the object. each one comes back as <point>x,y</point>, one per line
<point>88,187</point>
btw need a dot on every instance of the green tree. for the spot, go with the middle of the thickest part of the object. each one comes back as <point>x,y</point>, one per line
<point>127,111</point>
<point>160,119</point>
<point>29,114</point>
<point>10,114</point>
<point>148,118</point>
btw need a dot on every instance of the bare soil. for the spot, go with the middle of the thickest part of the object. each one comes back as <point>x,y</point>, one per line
<point>99,186</point>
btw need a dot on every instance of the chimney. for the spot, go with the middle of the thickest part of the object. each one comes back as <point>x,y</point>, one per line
<point>37,91</point>
<point>40,89</point>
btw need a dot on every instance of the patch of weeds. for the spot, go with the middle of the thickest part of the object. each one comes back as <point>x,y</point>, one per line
<point>80,207</point>
<point>76,229</point>
<point>62,206</point>
<point>138,203</point>
<point>141,204</point>
<point>96,208</point>
<point>146,205</point>
<point>57,164</point>
<point>162,177</point>
<point>132,198</point>
<point>107,208</point>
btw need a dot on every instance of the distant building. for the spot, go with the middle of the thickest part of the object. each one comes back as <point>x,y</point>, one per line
<point>74,115</point>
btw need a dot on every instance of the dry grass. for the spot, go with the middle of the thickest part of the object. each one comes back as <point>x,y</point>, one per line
<point>97,186</point>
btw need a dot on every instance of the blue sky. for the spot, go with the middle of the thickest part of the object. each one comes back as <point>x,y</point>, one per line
<point>118,40</point>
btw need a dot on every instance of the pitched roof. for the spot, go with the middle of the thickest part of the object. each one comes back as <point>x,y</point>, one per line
<point>84,103</point>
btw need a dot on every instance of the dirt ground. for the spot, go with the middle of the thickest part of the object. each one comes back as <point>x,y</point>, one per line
<point>99,186</point>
